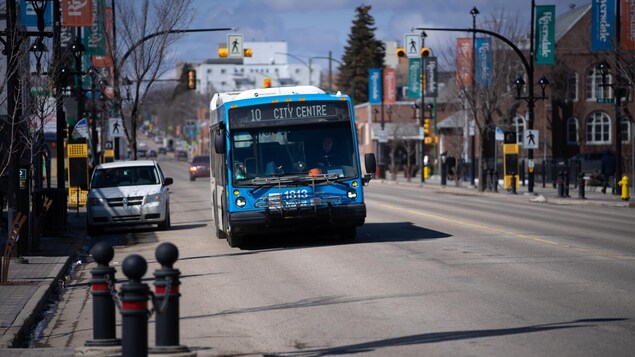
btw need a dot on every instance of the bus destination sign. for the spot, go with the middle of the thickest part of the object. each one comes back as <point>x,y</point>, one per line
<point>287,112</point>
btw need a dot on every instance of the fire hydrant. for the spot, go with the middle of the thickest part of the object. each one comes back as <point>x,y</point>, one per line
<point>624,184</point>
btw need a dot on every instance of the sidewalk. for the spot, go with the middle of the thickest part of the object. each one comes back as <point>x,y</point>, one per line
<point>593,195</point>
<point>30,285</point>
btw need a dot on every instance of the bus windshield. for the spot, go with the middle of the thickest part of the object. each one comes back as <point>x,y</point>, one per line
<point>292,151</point>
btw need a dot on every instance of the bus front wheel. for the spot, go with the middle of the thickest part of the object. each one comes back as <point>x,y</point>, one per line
<point>235,241</point>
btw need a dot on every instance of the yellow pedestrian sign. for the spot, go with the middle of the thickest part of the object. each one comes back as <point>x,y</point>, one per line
<point>115,128</point>
<point>235,46</point>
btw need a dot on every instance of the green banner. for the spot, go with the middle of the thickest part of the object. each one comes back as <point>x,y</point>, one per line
<point>545,34</point>
<point>414,77</point>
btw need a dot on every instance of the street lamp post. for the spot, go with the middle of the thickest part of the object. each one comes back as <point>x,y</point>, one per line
<point>474,12</point>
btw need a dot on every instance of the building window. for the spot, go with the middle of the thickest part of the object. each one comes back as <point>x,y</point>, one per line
<point>209,71</point>
<point>595,89</point>
<point>222,71</point>
<point>519,125</point>
<point>626,129</point>
<point>572,131</point>
<point>598,128</point>
<point>572,87</point>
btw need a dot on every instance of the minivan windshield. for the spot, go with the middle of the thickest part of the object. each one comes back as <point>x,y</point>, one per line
<point>125,176</point>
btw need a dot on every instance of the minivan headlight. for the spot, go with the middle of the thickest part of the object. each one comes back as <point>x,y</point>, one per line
<point>95,201</point>
<point>155,197</point>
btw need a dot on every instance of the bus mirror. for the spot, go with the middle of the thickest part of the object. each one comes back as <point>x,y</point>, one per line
<point>370,163</point>
<point>219,142</point>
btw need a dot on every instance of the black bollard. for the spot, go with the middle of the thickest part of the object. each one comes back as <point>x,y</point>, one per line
<point>566,183</point>
<point>166,295</point>
<point>134,308</point>
<point>514,184</point>
<point>581,185</point>
<point>102,284</point>
<point>560,185</point>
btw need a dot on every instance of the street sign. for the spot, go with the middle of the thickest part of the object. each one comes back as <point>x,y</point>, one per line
<point>530,139</point>
<point>500,136</point>
<point>382,136</point>
<point>115,128</point>
<point>412,45</point>
<point>235,46</point>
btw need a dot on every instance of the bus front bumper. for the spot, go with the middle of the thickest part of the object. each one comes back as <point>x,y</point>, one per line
<point>272,220</point>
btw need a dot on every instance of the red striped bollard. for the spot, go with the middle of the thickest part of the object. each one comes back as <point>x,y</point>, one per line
<point>166,301</point>
<point>134,308</point>
<point>102,289</point>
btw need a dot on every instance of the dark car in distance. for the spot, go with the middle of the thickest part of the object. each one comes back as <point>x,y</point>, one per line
<point>199,167</point>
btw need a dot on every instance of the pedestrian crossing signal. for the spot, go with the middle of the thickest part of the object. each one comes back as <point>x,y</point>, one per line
<point>191,79</point>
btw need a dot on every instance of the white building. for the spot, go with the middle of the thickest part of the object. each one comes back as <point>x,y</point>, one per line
<point>269,60</point>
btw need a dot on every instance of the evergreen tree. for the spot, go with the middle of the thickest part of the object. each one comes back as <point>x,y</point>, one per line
<point>361,53</point>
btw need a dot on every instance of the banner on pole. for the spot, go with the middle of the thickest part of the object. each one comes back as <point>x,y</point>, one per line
<point>431,81</point>
<point>414,77</point>
<point>464,61</point>
<point>374,86</point>
<point>602,25</point>
<point>390,85</point>
<point>545,34</point>
<point>483,61</point>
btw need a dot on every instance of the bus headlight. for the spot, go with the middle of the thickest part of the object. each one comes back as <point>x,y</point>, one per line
<point>241,202</point>
<point>351,194</point>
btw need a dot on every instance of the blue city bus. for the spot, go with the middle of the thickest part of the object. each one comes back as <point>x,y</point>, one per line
<point>271,167</point>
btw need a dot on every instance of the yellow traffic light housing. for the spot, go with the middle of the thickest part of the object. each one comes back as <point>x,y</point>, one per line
<point>222,52</point>
<point>426,127</point>
<point>401,52</point>
<point>191,79</point>
<point>425,52</point>
<point>266,83</point>
<point>247,52</point>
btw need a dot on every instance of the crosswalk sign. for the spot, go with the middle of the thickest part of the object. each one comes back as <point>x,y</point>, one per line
<point>530,139</point>
<point>235,46</point>
<point>115,128</point>
<point>412,45</point>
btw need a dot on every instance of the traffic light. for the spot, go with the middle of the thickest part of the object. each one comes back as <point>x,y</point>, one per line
<point>426,127</point>
<point>191,79</point>
<point>266,83</point>
<point>222,52</point>
<point>401,52</point>
<point>247,52</point>
<point>425,52</point>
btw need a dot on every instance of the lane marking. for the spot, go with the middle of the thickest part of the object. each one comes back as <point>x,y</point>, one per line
<point>496,230</point>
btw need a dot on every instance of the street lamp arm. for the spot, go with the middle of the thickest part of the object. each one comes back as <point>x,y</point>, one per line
<point>487,32</point>
<point>294,56</point>
<point>152,35</point>
<point>329,58</point>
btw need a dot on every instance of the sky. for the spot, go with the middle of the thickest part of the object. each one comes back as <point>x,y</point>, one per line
<point>313,28</point>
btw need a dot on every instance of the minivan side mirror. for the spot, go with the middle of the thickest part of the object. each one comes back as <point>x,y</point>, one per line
<point>168,181</point>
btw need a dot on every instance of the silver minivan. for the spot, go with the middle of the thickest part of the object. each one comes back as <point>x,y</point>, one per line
<point>124,193</point>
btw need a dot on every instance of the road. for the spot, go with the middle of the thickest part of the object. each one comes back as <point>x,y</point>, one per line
<point>430,274</point>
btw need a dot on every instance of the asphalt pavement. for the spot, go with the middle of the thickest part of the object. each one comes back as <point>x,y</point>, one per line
<point>32,285</point>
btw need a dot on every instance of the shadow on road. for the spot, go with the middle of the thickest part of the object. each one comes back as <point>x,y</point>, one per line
<point>369,233</point>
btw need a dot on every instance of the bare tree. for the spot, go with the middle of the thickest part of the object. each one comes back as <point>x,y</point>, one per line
<point>141,57</point>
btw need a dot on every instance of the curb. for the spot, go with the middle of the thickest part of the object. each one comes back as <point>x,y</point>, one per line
<point>32,309</point>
